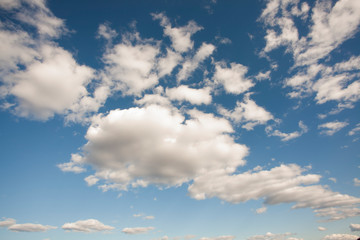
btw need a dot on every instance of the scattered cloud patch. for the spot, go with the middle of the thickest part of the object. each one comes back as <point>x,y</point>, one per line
<point>137,230</point>
<point>354,227</point>
<point>232,78</point>
<point>30,227</point>
<point>283,184</point>
<point>355,130</point>
<point>192,95</point>
<point>356,182</point>
<point>7,222</point>
<point>248,113</point>
<point>287,136</point>
<point>340,237</point>
<point>321,229</point>
<point>330,128</point>
<point>274,236</point>
<point>218,238</point>
<point>89,225</point>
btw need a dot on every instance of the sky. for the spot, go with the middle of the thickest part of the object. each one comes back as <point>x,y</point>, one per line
<point>180,120</point>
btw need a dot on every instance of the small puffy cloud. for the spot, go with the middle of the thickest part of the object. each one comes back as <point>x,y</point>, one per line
<point>355,130</point>
<point>340,237</point>
<point>354,227</point>
<point>274,236</point>
<point>91,180</point>
<point>330,128</point>
<point>156,145</point>
<point>321,229</point>
<point>7,222</point>
<point>106,32</point>
<point>131,64</point>
<point>191,64</point>
<point>248,113</point>
<point>180,36</point>
<point>52,85</point>
<point>333,180</point>
<point>89,225</point>
<point>30,227</point>
<point>287,136</point>
<point>263,76</point>
<point>137,230</point>
<point>356,182</point>
<point>144,217</point>
<point>74,165</point>
<point>261,210</point>
<point>228,237</point>
<point>233,79</point>
<point>192,95</point>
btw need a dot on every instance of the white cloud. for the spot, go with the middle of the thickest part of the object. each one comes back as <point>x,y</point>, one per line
<point>233,79</point>
<point>192,95</point>
<point>325,32</point>
<point>331,27</point>
<point>168,63</point>
<point>51,85</point>
<point>228,237</point>
<point>89,225</point>
<point>106,32</point>
<point>330,128</point>
<point>283,184</point>
<point>36,14</point>
<point>274,236</point>
<point>130,65</point>
<point>137,230</point>
<point>190,65</point>
<point>338,83</point>
<point>340,237</point>
<point>354,227</point>
<point>144,217</point>
<point>356,182</point>
<point>181,36</point>
<point>287,136</point>
<point>338,213</point>
<point>248,113</point>
<point>333,179</point>
<point>30,227</point>
<point>156,145</point>
<point>263,76</point>
<point>7,222</point>
<point>91,180</point>
<point>321,229</point>
<point>355,130</point>
<point>74,165</point>
<point>261,210</point>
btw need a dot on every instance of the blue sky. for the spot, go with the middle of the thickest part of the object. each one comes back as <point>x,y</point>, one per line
<point>159,120</point>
